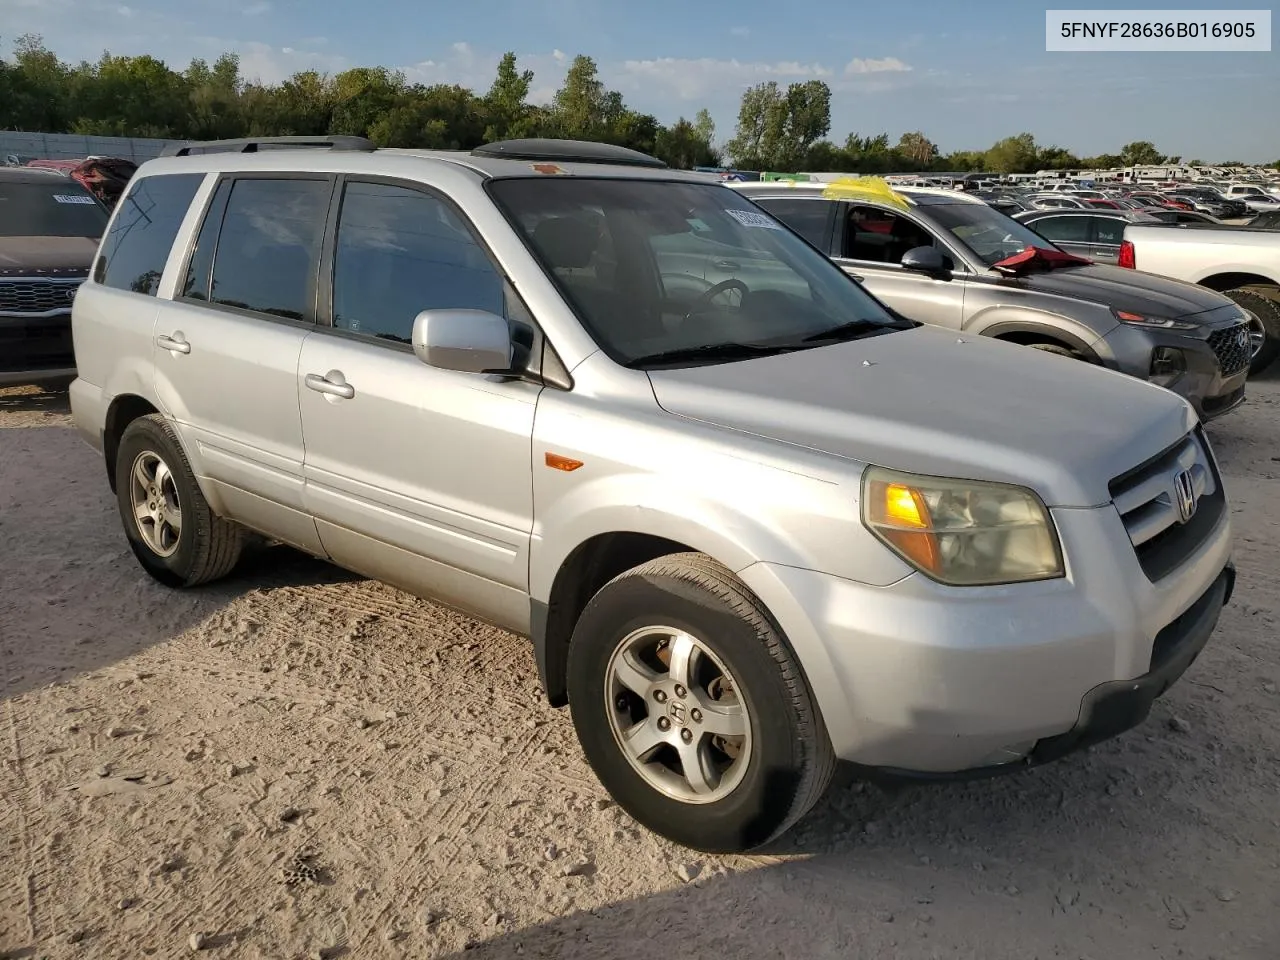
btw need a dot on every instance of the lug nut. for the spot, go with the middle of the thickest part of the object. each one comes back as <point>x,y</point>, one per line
<point>686,735</point>
<point>696,714</point>
<point>660,696</point>
<point>680,691</point>
<point>664,723</point>
<point>621,703</point>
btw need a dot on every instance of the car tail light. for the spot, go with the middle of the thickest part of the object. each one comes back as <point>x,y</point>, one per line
<point>1128,258</point>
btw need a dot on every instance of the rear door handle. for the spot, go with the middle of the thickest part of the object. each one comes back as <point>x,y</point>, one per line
<point>333,383</point>
<point>728,264</point>
<point>854,276</point>
<point>177,343</point>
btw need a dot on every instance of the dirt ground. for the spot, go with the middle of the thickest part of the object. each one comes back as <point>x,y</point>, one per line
<point>296,763</point>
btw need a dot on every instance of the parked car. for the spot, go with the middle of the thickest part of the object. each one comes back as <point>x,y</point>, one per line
<point>1104,203</point>
<point>1057,201</point>
<point>1179,216</point>
<point>1095,234</point>
<point>1266,221</point>
<point>1210,201</point>
<point>49,230</point>
<point>938,258</point>
<point>1242,263</point>
<point>623,411</point>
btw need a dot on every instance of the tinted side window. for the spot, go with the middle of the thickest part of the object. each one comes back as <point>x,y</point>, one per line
<point>1067,229</point>
<point>879,236</point>
<point>1107,230</point>
<point>400,251</point>
<point>806,217</point>
<point>196,284</point>
<point>137,246</point>
<point>269,248</point>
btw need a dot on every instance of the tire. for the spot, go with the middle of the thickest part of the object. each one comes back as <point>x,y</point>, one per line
<point>1056,349</point>
<point>784,760</point>
<point>1264,304</point>
<point>201,546</point>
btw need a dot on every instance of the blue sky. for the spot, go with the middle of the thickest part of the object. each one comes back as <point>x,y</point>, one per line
<point>965,74</point>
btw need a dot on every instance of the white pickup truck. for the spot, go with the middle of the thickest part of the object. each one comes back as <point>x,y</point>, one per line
<point>1240,262</point>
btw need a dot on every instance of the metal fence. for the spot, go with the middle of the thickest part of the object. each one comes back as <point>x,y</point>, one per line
<point>20,147</point>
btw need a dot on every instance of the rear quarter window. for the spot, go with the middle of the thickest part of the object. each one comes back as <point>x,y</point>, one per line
<point>137,245</point>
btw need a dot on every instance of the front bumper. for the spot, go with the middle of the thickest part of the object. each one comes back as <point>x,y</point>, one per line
<point>947,681</point>
<point>1203,383</point>
<point>35,349</point>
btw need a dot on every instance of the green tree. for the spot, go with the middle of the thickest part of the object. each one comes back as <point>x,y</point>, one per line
<point>1056,158</point>
<point>505,104</point>
<point>776,129</point>
<point>684,145</point>
<point>1140,152</point>
<point>918,149</point>
<point>705,127</point>
<point>1017,154</point>
<point>364,95</point>
<point>579,107</point>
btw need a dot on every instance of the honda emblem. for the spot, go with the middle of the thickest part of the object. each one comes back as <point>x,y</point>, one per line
<point>1184,495</point>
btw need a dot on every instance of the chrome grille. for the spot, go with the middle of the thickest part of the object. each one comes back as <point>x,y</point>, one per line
<point>37,296</point>
<point>1231,346</point>
<point>1163,531</point>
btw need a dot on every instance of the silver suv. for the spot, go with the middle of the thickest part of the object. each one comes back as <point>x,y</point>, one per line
<point>750,523</point>
<point>939,257</point>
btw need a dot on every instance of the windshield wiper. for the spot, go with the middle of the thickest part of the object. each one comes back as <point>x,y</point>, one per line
<point>710,352</point>
<point>850,331</point>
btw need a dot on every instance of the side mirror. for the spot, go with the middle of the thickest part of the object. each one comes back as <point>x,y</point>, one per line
<point>469,341</point>
<point>925,260</point>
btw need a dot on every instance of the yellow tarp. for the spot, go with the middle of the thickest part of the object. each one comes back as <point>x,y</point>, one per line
<point>865,188</point>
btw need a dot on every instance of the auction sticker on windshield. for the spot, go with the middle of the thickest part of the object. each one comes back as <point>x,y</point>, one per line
<point>749,218</point>
<point>72,198</point>
<point>1155,31</point>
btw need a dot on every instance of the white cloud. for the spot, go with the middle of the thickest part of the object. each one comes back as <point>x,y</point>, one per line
<point>739,31</point>
<point>694,79</point>
<point>257,9</point>
<point>264,63</point>
<point>859,65</point>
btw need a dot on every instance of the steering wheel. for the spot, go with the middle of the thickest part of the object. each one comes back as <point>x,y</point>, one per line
<point>705,298</point>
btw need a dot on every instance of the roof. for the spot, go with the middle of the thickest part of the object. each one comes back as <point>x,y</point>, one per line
<point>917,196</point>
<point>513,158</point>
<point>35,175</point>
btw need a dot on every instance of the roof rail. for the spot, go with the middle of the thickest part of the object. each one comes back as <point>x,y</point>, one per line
<point>566,151</point>
<point>257,144</point>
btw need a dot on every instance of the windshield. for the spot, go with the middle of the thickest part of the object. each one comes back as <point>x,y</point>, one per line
<point>59,208</point>
<point>988,233</point>
<point>661,271</point>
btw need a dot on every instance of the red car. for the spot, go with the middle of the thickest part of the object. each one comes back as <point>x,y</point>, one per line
<point>1105,204</point>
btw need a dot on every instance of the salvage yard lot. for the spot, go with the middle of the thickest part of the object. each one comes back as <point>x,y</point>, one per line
<point>297,760</point>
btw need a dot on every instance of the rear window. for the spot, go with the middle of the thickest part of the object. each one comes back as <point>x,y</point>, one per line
<point>134,252</point>
<point>59,208</point>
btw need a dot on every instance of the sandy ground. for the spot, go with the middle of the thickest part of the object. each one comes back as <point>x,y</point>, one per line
<point>296,762</point>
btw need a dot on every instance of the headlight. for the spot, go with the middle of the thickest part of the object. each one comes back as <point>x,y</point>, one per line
<point>962,532</point>
<point>1147,320</point>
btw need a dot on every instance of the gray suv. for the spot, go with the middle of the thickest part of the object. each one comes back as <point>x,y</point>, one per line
<point>751,524</point>
<point>934,257</point>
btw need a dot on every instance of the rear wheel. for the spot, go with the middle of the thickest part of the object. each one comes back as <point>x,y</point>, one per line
<point>691,707</point>
<point>174,534</point>
<point>1262,308</point>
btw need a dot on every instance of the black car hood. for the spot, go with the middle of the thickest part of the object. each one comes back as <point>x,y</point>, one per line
<point>1124,289</point>
<point>28,256</point>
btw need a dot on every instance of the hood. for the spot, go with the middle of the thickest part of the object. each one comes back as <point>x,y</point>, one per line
<point>65,255</point>
<point>1125,289</point>
<point>928,401</point>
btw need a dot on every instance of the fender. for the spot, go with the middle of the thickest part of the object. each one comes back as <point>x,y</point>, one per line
<point>999,322</point>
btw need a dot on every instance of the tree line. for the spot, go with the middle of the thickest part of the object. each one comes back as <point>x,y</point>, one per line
<point>779,129</point>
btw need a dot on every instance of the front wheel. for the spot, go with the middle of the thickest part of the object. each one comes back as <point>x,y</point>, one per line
<point>173,532</point>
<point>1262,308</point>
<point>691,707</point>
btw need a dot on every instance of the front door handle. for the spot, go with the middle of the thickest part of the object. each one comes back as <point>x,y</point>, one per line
<point>177,343</point>
<point>728,264</point>
<point>854,276</point>
<point>333,383</point>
